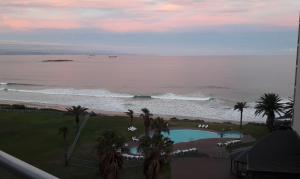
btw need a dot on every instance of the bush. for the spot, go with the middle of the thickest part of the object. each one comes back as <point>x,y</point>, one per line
<point>18,106</point>
<point>92,114</point>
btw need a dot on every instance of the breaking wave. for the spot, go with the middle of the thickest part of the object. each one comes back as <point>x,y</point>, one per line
<point>106,94</point>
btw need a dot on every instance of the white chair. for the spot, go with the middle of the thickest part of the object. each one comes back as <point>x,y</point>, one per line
<point>206,126</point>
<point>132,128</point>
<point>134,139</point>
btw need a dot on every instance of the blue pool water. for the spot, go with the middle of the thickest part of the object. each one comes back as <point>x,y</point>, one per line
<point>188,135</point>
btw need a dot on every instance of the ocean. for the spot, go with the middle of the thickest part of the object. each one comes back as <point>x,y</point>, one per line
<point>186,87</point>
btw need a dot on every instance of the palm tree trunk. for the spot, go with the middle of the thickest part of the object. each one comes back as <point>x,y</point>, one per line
<point>65,152</point>
<point>77,123</point>
<point>241,120</point>
<point>270,122</point>
<point>146,131</point>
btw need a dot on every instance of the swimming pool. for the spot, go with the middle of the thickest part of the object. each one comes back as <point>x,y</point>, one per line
<point>188,135</point>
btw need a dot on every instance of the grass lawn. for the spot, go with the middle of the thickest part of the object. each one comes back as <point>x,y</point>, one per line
<point>33,137</point>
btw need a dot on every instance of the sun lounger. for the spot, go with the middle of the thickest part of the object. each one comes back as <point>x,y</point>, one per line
<point>134,139</point>
<point>220,144</point>
<point>132,128</point>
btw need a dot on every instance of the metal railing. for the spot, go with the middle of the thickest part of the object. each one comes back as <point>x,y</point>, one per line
<point>21,168</point>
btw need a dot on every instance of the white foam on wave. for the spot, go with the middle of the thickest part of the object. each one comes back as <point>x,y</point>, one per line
<point>104,93</point>
<point>75,92</point>
<point>3,83</point>
<point>171,96</point>
<point>104,100</point>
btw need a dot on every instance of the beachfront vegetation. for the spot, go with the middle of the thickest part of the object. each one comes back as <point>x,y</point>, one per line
<point>110,159</point>
<point>157,151</point>
<point>240,106</point>
<point>146,115</point>
<point>130,113</point>
<point>34,133</point>
<point>159,125</point>
<point>268,105</point>
<point>289,108</point>
<point>156,148</point>
<point>77,111</point>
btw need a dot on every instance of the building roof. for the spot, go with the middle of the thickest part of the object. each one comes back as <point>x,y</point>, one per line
<point>279,152</point>
<point>240,155</point>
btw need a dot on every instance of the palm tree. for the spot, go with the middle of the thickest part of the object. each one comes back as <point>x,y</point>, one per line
<point>157,151</point>
<point>77,111</point>
<point>64,131</point>
<point>289,108</point>
<point>147,120</point>
<point>160,125</point>
<point>110,159</point>
<point>130,115</point>
<point>240,106</point>
<point>269,105</point>
<point>152,166</point>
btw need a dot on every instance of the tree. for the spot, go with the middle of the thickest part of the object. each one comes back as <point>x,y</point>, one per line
<point>130,113</point>
<point>147,120</point>
<point>110,159</point>
<point>289,108</point>
<point>77,111</point>
<point>160,125</point>
<point>157,151</point>
<point>64,131</point>
<point>240,106</point>
<point>269,105</point>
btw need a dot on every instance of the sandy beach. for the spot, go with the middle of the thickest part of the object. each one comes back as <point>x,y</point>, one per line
<point>111,113</point>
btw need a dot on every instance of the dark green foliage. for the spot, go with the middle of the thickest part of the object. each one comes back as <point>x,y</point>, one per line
<point>268,105</point>
<point>110,159</point>
<point>130,113</point>
<point>160,125</point>
<point>146,115</point>
<point>157,151</point>
<point>77,111</point>
<point>240,106</point>
<point>289,108</point>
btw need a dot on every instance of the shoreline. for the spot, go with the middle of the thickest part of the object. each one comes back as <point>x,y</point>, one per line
<point>113,113</point>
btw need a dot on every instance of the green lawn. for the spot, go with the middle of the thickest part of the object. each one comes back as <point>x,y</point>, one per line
<point>33,137</point>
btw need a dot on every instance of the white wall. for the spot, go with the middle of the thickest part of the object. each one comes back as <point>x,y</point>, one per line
<point>296,121</point>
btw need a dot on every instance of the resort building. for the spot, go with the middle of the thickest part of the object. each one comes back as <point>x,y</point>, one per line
<point>296,118</point>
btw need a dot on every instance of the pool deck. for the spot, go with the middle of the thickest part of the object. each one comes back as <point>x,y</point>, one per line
<point>215,165</point>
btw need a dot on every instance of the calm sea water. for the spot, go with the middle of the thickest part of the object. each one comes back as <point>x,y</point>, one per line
<point>203,86</point>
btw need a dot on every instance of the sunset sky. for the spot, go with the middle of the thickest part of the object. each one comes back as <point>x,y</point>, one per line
<point>177,27</point>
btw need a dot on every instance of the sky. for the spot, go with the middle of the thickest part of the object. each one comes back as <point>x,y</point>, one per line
<point>160,27</point>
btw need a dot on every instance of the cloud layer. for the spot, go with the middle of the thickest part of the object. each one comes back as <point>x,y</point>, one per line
<point>128,16</point>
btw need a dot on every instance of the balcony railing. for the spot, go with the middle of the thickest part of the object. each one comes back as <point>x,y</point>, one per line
<point>20,168</point>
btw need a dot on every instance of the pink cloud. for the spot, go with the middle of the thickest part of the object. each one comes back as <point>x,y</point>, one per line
<point>142,15</point>
<point>25,24</point>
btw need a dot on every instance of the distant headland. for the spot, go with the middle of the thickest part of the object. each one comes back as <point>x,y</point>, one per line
<point>59,60</point>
